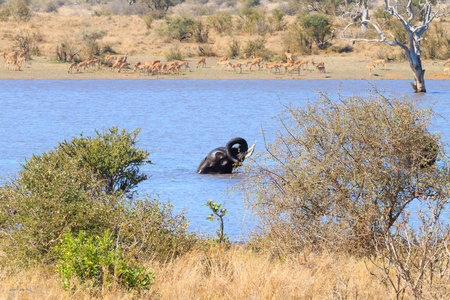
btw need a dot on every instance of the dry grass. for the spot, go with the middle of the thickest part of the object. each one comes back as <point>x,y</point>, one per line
<point>218,274</point>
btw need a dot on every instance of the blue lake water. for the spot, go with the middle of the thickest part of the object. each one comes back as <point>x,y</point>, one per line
<point>180,120</point>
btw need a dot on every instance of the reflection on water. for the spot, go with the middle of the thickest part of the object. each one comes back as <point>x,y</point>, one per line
<point>181,120</point>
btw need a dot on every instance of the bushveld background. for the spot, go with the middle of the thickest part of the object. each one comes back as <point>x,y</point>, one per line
<point>55,33</point>
<point>333,224</point>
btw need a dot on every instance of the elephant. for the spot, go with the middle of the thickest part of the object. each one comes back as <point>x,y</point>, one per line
<point>224,160</point>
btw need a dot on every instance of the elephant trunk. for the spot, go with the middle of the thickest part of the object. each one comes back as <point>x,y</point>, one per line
<point>237,155</point>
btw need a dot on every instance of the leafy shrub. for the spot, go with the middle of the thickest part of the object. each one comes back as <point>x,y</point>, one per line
<point>148,20</point>
<point>181,28</point>
<point>80,185</point>
<point>5,13</point>
<point>317,28</point>
<point>258,49</point>
<point>20,11</point>
<point>436,44</point>
<point>234,49</point>
<point>174,54</point>
<point>341,172</point>
<point>206,50</point>
<point>297,40</point>
<point>96,262</point>
<point>221,22</point>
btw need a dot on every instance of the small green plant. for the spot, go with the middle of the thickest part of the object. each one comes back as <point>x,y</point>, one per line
<point>218,214</point>
<point>96,261</point>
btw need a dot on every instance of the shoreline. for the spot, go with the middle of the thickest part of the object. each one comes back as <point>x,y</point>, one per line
<point>337,67</point>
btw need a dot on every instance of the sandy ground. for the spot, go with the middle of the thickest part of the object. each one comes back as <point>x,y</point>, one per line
<point>337,67</point>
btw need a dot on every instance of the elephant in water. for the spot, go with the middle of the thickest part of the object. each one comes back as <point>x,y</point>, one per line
<point>224,160</point>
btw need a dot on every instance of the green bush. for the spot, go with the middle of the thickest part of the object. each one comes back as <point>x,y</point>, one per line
<point>181,28</point>
<point>296,39</point>
<point>86,184</point>
<point>317,28</point>
<point>97,262</point>
<point>234,49</point>
<point>221,22</point>
<point>20,11</point>
<point>258,48</point>
<point>340,173</point>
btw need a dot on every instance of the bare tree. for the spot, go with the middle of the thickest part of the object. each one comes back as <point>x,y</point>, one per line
<point>415,18</point>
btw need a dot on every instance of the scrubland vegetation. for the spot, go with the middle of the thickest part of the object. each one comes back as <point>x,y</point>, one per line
<point>334,196</point>
<point>67,31</point>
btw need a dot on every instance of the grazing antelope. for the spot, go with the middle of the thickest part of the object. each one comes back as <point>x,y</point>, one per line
<point>293,68</point>
<point>22,60</point>
<point>136,66</point>
<point>83,65</point>
<point>222,59</point>
<point>202,62</point>
<point>446,62</point>
<point>12,62</point>
<point>379,61</point>
<point>321,68</point>
<point>122,66</point>
<point>184,64</point>
<point>316,64</point>
<point>12,55</point>
<point>71,67</point>
<point>370,67</point>
<point>22,54</point>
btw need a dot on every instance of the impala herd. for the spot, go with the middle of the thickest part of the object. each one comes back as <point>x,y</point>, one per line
<point>14,61</point>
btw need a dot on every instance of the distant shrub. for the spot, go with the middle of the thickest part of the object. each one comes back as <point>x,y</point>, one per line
<point>5,13</point>
<point>96,262</point>
<point>174,54</point>
<point>20,11</point>
<point>221,22</point>
<point>206,50</point>
<point>317,28</point>
<point>148,20</point>
<point>234,49</point>
<point>258,48</point>
<point>297,40</point>
<point>180,28</point>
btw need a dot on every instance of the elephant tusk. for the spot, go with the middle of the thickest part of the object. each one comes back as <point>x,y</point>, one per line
<point>250,151</point>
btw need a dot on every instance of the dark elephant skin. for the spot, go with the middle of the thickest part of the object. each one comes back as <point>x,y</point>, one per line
<point>224,160</point>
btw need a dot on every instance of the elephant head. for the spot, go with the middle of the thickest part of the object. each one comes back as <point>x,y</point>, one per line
<point>224,160</point>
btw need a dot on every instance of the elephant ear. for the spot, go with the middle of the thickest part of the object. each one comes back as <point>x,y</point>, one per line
<point>237,154</point>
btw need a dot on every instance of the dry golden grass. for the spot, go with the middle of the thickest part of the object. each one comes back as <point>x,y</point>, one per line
<point>218,274</point>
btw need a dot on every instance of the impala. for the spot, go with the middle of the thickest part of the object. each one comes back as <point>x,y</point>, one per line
<point>83,65</point>
<point>370,67</point>
<point>12,62</point>
<point>294,68</point>
<point>71,67</point>
<point>379,61</point>
<point>446,62</point>
<point>202,62</point>
<point>122,66</point>
<point>288,56</point>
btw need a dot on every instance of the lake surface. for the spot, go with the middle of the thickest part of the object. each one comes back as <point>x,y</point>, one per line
<point>181,120</point>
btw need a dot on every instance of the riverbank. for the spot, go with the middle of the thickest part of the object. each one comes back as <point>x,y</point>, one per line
<point>336,67</point>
